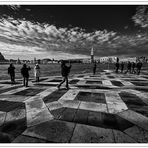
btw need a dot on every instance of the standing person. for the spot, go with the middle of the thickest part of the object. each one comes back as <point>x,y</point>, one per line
<point>129,67</point>
<point>11,72</point>
<point>139,66</point>
<point>117,66</point>
<point>94,67</point>
<point>122,67</point>
<point>25,73</point>
<point>65,70</point>
<point>133,67</point>
<point>37,72</point>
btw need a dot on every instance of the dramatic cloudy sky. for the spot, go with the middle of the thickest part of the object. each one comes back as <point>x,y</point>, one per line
<point>49,31</point>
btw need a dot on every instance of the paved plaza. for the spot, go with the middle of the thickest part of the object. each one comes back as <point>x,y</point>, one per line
<point>105,108</point>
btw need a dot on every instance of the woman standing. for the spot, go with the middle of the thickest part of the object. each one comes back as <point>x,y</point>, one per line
<point>37,72</point>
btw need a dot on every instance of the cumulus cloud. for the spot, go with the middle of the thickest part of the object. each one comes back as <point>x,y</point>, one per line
<point>22,36</point>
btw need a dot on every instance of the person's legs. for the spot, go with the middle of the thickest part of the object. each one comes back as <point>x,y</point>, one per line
<point>11,77</point>
<point>67,86</point>
<point>61,82</point>
<point>38,79</point>
<point>27,81</point>
<point>24,81</point>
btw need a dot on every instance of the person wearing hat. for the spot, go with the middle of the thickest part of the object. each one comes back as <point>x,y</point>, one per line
<point>37,72</point>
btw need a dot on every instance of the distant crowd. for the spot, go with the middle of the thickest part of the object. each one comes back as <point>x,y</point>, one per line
<point>132,67</point>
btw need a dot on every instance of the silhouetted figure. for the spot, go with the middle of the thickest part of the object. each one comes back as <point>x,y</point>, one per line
<point>11,72</point>
<point>139,66</point>
<point>122,67</point>
<point>37,72</point>
<point>129,66</point>
<point>117,66</point>
<point>133,67</point>
<point>94,68</point>
<point>25,73</point>
<point>65,70</point>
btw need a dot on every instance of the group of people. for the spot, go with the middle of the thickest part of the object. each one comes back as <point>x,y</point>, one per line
<point>65,70</point>
<point>132,67</point>
<point>24,72</point>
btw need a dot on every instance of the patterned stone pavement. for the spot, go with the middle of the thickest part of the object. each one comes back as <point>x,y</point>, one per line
<point>105,108</point>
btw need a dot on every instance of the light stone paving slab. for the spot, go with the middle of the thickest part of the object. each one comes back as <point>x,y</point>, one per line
<point>90,134</point>
<point>126,83</point>
<point>14,91</point>
<point>70,95</point>
<point>107,83</point>
<point>120,137</point>
<point>138,134</point>
<point>16,114</point>
<point>114,103</point>
<point>34,104</point>
<point>14,98</point>
<point>54,131</point>
<point>54,105</point>
<point>91,106</point>
<point>46,92</point>
<point>2,117</point>
<point>135,118</point>
<point>38,116</point>
<point>70,103</point>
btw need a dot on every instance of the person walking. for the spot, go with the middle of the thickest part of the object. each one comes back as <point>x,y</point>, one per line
<point>94,68</point>
<point>139,66</point>
<point>117,66</point>
<point>25,73</point>
<point>11,72</point>
<point>65,70</point>
<point>128,67</point>
<point>133,67</point>
<point>122,67</point>
<point>37,72</point>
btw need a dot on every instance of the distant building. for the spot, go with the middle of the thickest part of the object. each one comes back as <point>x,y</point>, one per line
<point>110,59</point>
<point>2,59</point>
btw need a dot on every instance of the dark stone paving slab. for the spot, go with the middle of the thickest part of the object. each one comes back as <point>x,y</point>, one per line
<point>74,81</point>
<point>81,76</point>
<point>57,113</point>
<point>8,89</point>
<point>135,103</point>
<point>29,92</point>
<point>27,139</point>
<point>8,82</point>
<point>55,131</point>
<point>43,84</point>
<point>93,82</point>
<point>139,83</point>
<point>92,87</point>
<point>55,95</point>
<point>142,89</point>
<point>8,106</point>
<point>55,80</point>
<point>14,128</point>
<point>110,121</point>
<point>111,77</point>
<point>91,97</point>
<point>117,83</point>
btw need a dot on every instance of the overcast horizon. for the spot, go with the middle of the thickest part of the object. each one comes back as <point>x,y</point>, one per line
<point>64,32</point>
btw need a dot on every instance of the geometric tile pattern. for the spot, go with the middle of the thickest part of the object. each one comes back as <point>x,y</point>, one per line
<point>105,108</point>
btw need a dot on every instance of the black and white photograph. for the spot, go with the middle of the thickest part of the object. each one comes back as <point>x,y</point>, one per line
<point>73,73</point>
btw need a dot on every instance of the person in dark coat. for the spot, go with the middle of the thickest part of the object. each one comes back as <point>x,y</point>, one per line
<point>25,73</point>
<point>94,68</point>
<point>139,66</point>
<point>65,70</point>
<point>122,67</point>
<point>129,66</point>
<point>133,67</point>
<point>11,72</point>
<point>117,66</point>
